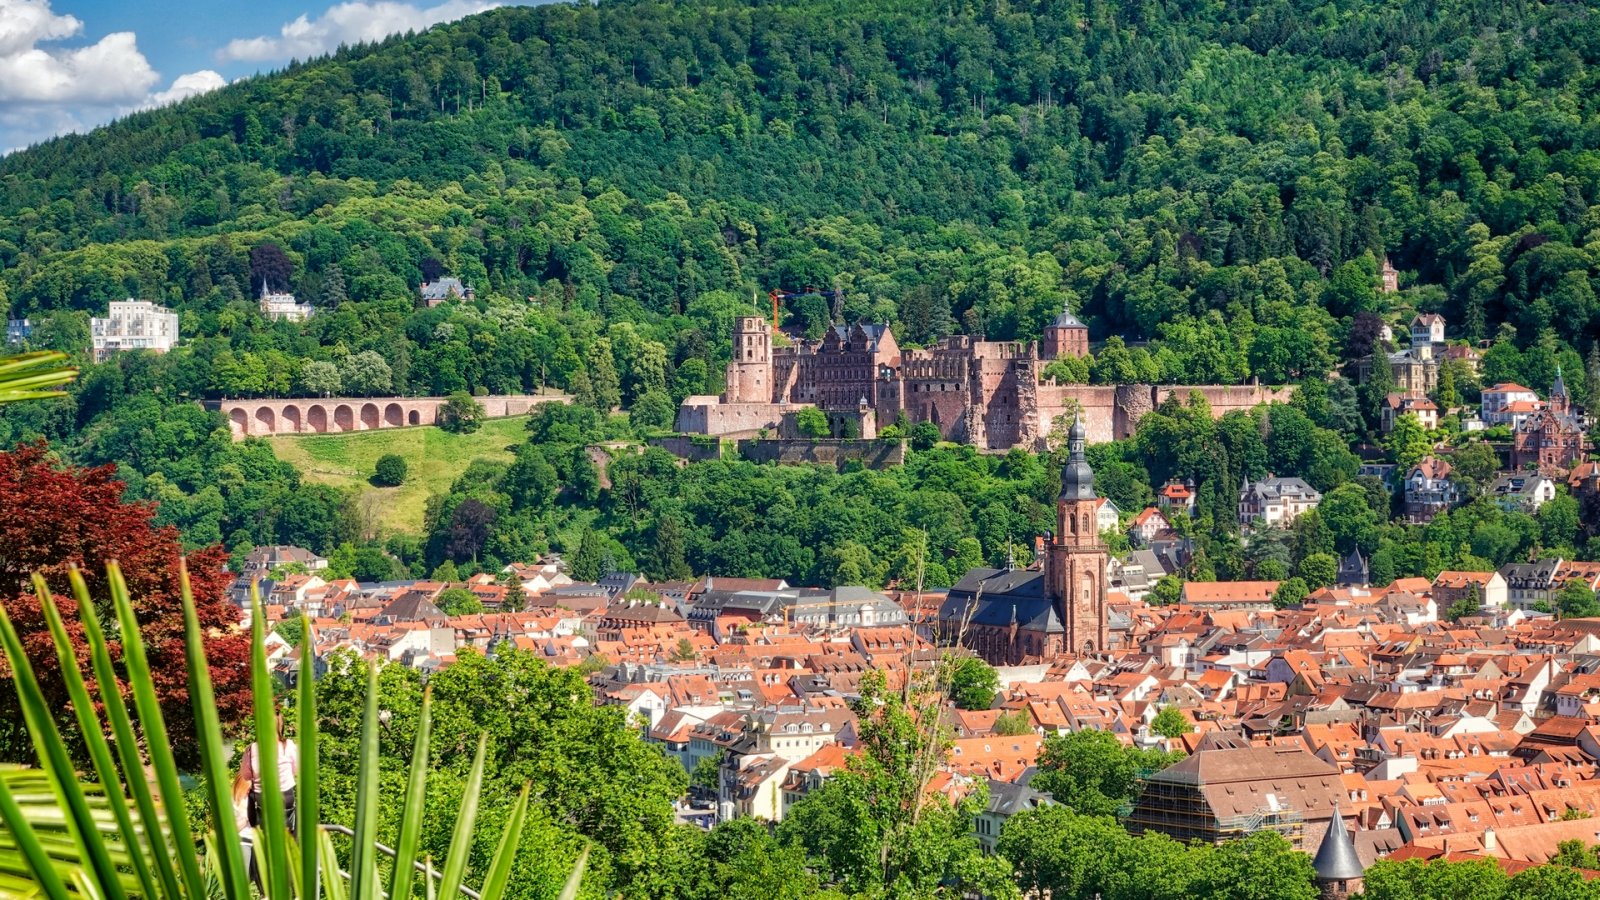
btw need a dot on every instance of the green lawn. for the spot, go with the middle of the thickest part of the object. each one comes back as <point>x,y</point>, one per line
<point>433,460</point>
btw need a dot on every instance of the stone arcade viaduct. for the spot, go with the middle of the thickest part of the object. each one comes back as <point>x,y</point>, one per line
<point>333,415</point>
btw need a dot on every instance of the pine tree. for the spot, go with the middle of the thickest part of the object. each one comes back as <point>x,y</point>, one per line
<point>590,558</point>
<point>1591,371</point>
<point>581,389</point>
<point>1376,389</point>
<point>669,553</point>
<point>1448,396</point>
<point>603,377</point>
<point>333,289</point>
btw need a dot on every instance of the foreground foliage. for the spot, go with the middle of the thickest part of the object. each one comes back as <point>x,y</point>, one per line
<point>53,516</point>
<point>123,834</point>
<point>590,776</point>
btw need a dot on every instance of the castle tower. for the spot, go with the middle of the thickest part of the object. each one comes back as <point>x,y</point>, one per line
<point>1066,337</point>
<point>750,369</point>
<point>1075,571</point>
<point>1388,277</point>
<point>1339,871</point>
<point>1560,400</point>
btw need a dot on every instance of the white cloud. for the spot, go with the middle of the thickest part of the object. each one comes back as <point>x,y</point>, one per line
<point>186,86</point>
<point>110,70</point>
<point>47,91</point>
<point>347,23</point>
<point>24,24</point>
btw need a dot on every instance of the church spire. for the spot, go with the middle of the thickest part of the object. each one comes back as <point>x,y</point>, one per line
<point>1077,479</point>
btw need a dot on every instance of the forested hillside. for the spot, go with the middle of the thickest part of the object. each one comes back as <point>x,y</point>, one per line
<point>951,166</point>
<point>618,180</point>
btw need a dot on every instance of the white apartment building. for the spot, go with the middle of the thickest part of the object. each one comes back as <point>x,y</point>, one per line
<point>133,325</point>
<point>1502,403</point>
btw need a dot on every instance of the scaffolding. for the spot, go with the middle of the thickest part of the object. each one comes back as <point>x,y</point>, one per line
<point>1178,808</point>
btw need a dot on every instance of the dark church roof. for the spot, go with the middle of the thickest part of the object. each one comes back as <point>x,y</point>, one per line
<point>412,606</point>
<point>1006,593</point>
<point>871,332</point>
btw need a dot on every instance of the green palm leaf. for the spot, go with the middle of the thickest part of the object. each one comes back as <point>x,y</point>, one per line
<point>64,838</point>
<point>30,376</point>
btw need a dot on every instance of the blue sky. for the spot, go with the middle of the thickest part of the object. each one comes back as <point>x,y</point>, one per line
<point>69,65</point>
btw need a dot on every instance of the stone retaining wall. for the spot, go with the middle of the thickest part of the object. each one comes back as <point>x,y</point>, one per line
<point>334,415</point>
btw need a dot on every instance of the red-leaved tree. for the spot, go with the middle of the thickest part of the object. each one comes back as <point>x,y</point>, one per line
<point>54,515</point>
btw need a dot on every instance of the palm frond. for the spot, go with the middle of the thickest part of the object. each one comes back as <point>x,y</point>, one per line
<point>31,376</point>
<point>66,837</point>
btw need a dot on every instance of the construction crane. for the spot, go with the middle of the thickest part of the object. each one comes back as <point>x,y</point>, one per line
<point>780,294</point>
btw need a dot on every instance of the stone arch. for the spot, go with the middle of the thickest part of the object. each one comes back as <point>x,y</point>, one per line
<point>370,416</point>
<point>392,415</point>
<point>414,418</point>
<point>239,421</point>
<point>291,417</point>
<point>343,418</point>
<point>266,420</point>
<point>317,418</point>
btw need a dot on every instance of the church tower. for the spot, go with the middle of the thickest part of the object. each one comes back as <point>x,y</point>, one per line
<point>1076,567</point>
<point>750,369</point>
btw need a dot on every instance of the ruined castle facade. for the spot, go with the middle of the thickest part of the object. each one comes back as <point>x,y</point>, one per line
<point>985,393</point>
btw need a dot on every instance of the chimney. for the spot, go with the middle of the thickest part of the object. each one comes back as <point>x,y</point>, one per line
<point>1488,840</point>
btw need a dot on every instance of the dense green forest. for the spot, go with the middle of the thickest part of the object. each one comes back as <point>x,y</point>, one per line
<point>1211,186</point>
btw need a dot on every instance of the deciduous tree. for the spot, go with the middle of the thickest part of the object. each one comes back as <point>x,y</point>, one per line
<point>53,516</point>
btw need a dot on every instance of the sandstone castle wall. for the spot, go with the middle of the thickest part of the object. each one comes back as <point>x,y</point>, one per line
<point>985,393</point>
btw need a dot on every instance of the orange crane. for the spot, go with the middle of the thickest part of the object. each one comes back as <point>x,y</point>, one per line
<point>778,294</point>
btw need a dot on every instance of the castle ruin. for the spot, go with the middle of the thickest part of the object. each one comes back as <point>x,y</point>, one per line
<point>985,393</point>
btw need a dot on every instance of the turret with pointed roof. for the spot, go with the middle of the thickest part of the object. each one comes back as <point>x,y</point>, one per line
<point>1353,569</point>
<point>1339,870</point>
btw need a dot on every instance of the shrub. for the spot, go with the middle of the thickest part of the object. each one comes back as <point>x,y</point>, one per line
<point>460,414</point>
<point>390,471</point>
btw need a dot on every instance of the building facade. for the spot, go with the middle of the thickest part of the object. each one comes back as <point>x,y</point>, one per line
<point>1275,501</point>
<point>133,325</point>
<point>1397,405</point>
<point>1227,790</point>
<point>1551,438</point>
<point>282,307</point>
<point>1429,489</point>
<point>1066,337</point>
<point>1522,491</point>
<point>1499,404</point>
<point>986,393</point>
<point>446,288</point>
